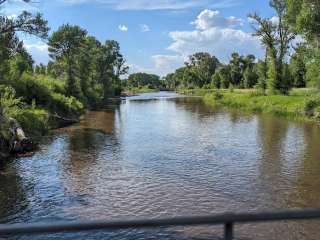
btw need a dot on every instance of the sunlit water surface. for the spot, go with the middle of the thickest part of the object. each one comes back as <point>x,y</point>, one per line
<point>161,155</point>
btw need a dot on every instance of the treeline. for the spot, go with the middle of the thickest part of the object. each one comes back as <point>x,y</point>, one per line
<point>82,73</point>
<point>285,65</point>
<point>143,81</point>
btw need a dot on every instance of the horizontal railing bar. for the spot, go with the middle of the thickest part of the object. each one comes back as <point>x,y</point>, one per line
<point>18,229</point>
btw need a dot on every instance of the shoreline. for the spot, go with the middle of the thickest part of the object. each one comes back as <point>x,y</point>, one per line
<point>303,107</point>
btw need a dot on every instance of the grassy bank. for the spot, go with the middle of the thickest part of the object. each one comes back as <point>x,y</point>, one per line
<point>144,89</point>
<point>301,104</point>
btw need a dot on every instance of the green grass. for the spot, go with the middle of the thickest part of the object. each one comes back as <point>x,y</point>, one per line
<point>301,104</point>
<point>142,90</point>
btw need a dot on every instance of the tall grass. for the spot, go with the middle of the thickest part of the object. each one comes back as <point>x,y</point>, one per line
<point>299,105</point>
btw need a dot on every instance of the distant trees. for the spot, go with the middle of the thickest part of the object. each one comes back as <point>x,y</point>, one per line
<point>200,67</point>
<point>204,70</point>
<point>286,64</point>
<point>139,80</point>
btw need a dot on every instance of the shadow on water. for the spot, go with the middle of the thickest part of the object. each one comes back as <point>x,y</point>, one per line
<point>13,200</point>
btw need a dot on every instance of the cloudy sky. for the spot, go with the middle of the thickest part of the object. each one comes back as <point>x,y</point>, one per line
<point>155,35</point>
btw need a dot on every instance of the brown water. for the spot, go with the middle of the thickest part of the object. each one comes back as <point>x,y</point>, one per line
<point>161,156</point>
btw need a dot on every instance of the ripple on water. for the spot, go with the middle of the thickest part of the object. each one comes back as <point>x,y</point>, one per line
<point>164,156</point>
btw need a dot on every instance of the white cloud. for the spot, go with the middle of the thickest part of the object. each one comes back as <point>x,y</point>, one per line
<point>164,64</point>
<point>161,65</point>
<point>213,33</point>
<point>38,50</point>
<point>217,35</point>
<point>274,20</point>
<point>155,4</point>
<point>208,19</point>
<point>123,28</point>
<point>220,42</point>
<point>38,46</point>
<point>144,28</point>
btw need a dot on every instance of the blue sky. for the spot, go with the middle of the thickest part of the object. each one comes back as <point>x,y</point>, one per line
<point>155,36</point>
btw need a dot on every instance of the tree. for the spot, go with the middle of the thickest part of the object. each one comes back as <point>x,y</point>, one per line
<point>64,45</point>
<point>250,77</point>
<point>22,62</point>
<point>204,66</point>
<point>235,69</point>
<point>261,70</point>
<point>276,36</point>
<point>216,80</point>
<point>111,65</point>
<point>26,23</point>
<point>144,80</point>
<point>10,45</point>
<point>304,17</point>
<point>40,69</point>
<point>298,67</point>
<point>225,76</point>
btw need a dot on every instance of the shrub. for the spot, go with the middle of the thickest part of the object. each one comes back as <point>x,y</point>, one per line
<point>9,103</point>
<point>310,106</point>
<point>65,106</point>
<point>33,121</point>
<point>29,88</point>
<point>217,96</point>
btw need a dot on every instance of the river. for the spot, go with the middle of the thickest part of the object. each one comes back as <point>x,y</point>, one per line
<point>164,155</point>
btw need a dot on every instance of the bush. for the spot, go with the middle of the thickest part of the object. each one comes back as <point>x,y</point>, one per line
<point>33,121</point>
<point>217,96</point>
<point>65,106</point>
<point>29,88</point>
<point>310,106</point>
<point>9,103</point>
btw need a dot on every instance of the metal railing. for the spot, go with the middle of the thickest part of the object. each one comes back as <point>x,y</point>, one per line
<point>228,220</point>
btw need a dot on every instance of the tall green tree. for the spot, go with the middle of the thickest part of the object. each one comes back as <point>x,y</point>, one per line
<point>261,70</point>
<point>298,67</point>
<point>10,45</point>
<point>250,77</point>
<point>276,36</point>
<point>64,46</point>
<point>203,65</point>
<point>225,76</point>
<point>111,65</point>
<point>304,17</point>
<point>235,69</point>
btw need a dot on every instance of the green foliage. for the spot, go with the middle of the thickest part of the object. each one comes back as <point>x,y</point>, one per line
<point>216,80</point>
<point>65,106</point>
<point>304,17</point>
<point>9,103</point>
<point>64,45</point>
<point>298,106</point>
<point>201,67</point>
<point>138,80</point>
<point>33,121</point>
<point>310,105</point>
<point>298,68</point>
<point>225,76</point>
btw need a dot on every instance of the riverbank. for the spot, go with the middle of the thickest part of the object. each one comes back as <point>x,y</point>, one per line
<point>300,104</point>
<point>137,90</point>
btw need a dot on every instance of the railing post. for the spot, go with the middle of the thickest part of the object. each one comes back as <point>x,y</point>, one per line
<point>228,231</point>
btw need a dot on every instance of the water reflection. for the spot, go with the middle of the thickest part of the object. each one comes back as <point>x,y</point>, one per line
<point>160,156</point>
<point>13,199</point>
